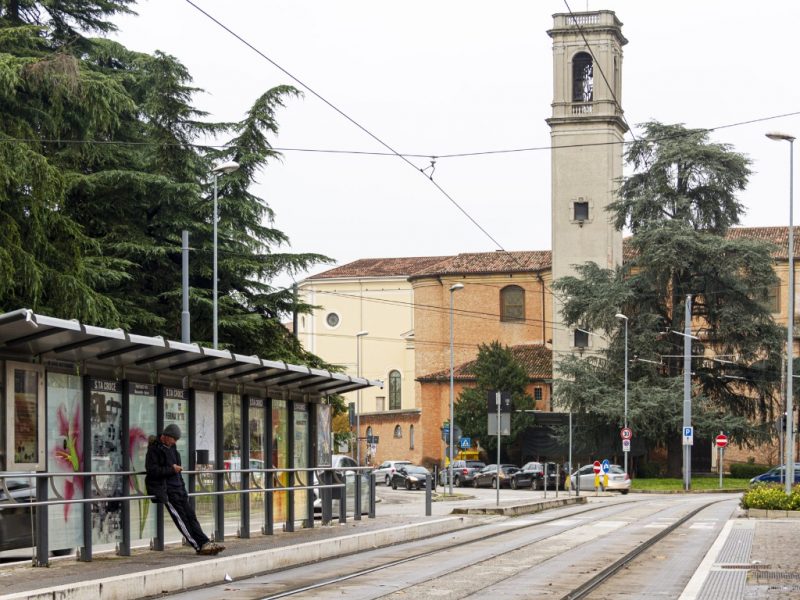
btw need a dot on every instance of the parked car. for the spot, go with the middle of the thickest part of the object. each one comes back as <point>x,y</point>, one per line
<point>16,523</point>
<point>532,475</point>
<point>384,472</point>
<point>343,474</point>
<point>411,477</point>
<point>463,472</point>
<point>776,475</point>
<point>488,476</point>
<point>618,480</point>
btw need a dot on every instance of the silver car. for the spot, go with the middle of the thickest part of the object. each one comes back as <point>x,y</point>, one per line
<point>618,480</point>
<point>384,472</point>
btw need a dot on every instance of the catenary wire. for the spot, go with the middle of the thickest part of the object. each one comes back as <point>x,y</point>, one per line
<point>351,120</point>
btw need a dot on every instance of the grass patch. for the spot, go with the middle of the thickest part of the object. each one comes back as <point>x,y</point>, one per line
<point>698,483</point>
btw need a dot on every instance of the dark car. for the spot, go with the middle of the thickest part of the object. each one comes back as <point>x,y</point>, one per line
<point>16,523</point>
<point>776,475</point>
<point>556,476</point>
<point>411,477</point>
<point>463,472</point>
<point>527,475</point>
<point>489,475</point>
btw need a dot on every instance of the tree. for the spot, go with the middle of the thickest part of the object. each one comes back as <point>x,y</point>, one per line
<point>100,171</point>
<point>679,204</point>
<point>495,368</point>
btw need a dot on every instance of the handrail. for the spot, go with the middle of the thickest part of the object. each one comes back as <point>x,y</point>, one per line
<point>13,502</point>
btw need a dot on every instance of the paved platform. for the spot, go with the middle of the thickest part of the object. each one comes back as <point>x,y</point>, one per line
<point>752,558</point>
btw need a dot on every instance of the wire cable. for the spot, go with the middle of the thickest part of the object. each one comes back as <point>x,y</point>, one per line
<point>350,119</point>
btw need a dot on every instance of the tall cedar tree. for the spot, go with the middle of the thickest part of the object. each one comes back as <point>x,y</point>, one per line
<point>495,368</point>
<point>679,204</point>
<point>100,173</point>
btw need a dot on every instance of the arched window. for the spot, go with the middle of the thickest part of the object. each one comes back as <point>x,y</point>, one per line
<point>394,390</point>
<point>398,431</point>
<point>512,303</point>
<point>582,78</point>
<point>410,437</point>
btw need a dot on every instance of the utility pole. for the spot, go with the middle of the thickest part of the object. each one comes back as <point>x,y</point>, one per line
<point>687,391</point>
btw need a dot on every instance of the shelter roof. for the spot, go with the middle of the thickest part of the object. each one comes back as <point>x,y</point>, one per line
<point>25,336</point>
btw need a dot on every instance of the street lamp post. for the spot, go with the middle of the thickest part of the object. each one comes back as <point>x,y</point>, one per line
<point>789,452</point>
<point>359,335</point>
<point>228,167</point>
<point>624,318</point>
<point>453,288</point>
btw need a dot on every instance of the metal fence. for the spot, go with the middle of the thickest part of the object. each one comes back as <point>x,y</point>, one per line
<point>327,485</point>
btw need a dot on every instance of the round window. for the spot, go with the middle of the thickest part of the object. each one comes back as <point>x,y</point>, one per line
<point>332,319</point>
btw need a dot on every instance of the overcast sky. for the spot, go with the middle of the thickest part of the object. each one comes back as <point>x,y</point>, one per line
<point>451,76</point>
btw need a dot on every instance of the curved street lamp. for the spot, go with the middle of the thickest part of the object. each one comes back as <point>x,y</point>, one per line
<point>624,318</point>
<point>224,168</point>
<point>453,288</point>
<point>789,452</point>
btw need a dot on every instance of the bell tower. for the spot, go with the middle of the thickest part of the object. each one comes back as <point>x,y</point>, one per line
<point>586,133</point>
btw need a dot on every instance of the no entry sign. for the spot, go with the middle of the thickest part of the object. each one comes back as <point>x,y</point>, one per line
<point>596,466</point>
<point>722,440</point>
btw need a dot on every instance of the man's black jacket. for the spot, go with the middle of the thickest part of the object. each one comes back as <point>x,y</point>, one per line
<point>159,466</point>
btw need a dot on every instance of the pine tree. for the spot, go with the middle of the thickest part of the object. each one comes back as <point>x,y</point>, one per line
<point>101,172</point>
<point>679,204</point>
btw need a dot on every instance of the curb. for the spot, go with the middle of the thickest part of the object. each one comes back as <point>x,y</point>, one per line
<point>519,509</point>
<point>762,513</point>
<point>725,491</point>
<point>182,577</point>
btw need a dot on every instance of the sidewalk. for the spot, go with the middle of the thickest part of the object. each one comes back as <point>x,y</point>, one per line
<point>752,558</point>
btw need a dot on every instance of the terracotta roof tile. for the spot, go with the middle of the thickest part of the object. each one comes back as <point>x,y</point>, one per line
<point>381,267</point>
<point>513,262</point>
<point>489,262</point>
<point>536,359</point>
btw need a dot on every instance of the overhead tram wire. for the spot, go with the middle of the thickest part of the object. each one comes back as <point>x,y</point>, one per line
<point>386,154</point>
<point>351,120</point>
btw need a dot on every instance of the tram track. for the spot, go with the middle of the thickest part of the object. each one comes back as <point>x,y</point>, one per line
<point>580,591</point>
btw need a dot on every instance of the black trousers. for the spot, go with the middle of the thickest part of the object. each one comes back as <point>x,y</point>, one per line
<point>184,518</point>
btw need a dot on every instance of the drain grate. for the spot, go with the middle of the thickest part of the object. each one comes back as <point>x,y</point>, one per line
<point>768,576</point>
<point>746,567</point>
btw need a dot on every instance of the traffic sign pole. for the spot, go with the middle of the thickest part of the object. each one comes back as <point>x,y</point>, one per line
<point>721,441</point>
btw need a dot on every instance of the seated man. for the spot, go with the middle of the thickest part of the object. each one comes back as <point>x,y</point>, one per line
<point>164,481</point>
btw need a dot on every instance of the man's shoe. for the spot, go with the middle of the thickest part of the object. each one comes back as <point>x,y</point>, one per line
<point>208,549</point>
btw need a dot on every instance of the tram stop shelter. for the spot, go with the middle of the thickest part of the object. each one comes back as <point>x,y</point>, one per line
<point>78,404</point>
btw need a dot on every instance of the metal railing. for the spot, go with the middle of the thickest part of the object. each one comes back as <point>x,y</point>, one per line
<point>326,483</point>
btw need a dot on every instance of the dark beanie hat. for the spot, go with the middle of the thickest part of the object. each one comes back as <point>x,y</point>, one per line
<point>172,431</point>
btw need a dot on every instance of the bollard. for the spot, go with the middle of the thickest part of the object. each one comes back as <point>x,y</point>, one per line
<point>428,495</point>
<point>343,503</point>
<point>357,499</point>
<point>544,485</point>
<point>372,494</point>
<point>326,497</point>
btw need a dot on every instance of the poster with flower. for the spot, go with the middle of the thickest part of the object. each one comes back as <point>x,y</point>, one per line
<point>65,456</point>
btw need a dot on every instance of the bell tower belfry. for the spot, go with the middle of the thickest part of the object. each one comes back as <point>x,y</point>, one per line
<point>586,131</point>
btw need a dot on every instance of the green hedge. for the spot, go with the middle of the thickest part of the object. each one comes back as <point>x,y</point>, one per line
<point>747,470</point>
<point>771,496</point>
